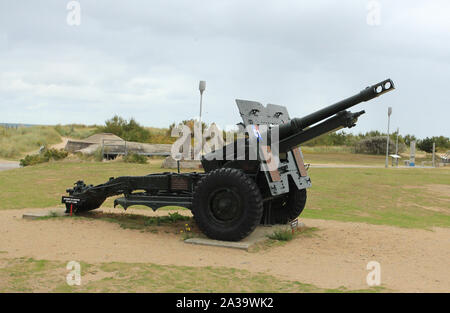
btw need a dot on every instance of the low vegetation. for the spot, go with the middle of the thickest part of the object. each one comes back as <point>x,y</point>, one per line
<point>15,142</point>
<point>128,130</point>
<point>135,158</point>
<point>414,198</point>
<point>31,275</point>
<point>44,156</point>
<point>76,131</point>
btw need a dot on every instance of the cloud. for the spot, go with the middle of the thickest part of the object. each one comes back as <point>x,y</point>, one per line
<point>144,60</point>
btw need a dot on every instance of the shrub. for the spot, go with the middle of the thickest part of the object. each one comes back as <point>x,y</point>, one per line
<point>135,158</point>
<point>427,143</point>
<point>127,130</point>
<point>55,154</point>
<point>45,156</point>
<point>32,160</point>
<point>376,145</point>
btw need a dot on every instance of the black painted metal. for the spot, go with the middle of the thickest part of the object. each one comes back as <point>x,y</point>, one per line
<point>298,124</point>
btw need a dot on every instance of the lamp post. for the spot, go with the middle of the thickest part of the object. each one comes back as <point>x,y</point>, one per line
<point>201,87</point>
<point>396,148</point>
<point>387,140</point>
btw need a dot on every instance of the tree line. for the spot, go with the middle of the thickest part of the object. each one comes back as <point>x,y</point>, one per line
<point>372,142</point>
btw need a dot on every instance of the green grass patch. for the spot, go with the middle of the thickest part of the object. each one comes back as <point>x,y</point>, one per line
<point>287,234</point>
<point>30,275</point>
<point>137,221</point>
<point>415,198</point>
<point>282,235</point>
<point>178,223</point>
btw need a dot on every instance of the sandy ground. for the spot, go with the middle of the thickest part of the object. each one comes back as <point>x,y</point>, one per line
<point>60,145</point>
<point>411,260</point>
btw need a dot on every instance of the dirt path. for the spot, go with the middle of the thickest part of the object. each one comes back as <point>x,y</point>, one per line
<point>7,165</point>
<point>60,145</point>
<point>411,260</point>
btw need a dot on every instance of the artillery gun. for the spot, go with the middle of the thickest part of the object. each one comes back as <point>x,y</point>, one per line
<point>236,192</point>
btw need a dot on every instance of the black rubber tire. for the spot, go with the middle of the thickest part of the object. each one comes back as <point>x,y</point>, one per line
<point>287,207</point>
<point>247,202</point>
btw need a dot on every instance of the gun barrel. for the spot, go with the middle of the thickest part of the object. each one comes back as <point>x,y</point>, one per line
<point>298,124</point>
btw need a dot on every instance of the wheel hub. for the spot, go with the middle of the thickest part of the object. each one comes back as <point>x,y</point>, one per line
<point>225,204</point>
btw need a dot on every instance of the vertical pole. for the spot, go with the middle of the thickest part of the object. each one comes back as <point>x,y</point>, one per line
<point>396,148</point>
<point>387,139</point>
<point>412,156</point>
<point>201,100</point>
<point>103,147</point>
<point>201,88</point>
<point>434,154</point>
<point>71,208</point>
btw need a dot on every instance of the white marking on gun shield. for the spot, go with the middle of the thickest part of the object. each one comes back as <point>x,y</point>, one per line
<point>374,276</point>
<point>74,276</point>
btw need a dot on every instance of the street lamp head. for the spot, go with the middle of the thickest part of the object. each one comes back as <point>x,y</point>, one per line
<point>389,111</point>
<point>202,86</point>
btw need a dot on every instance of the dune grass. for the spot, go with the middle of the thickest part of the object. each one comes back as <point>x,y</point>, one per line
<point>76,131</point>
<point>15,142</point>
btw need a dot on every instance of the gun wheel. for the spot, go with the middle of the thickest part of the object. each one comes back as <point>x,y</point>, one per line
<point>286,207</point>
<point>227,204</point>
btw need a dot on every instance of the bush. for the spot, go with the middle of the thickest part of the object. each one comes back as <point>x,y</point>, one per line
<point>135,158</point>
<point>45,156</point>
<point>427,143</point>
<point>55,154</point>
<point>377,145</point>
<point>127,130</point>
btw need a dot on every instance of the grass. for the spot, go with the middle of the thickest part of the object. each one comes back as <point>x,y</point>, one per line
<point>412,198</point>
<point>415,198</point>
<point>30,275</point>
<point>281,237</point>
<point>76,131</point>
<point>287,234</point>
<point>344,155</point>
<point>42,185</point>
<point>141,222</point>
<point>15,143</point>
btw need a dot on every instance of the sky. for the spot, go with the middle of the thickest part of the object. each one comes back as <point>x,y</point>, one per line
<point>144,59</point>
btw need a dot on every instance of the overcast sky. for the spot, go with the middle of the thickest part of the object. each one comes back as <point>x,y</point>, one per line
<point>143,59</point>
